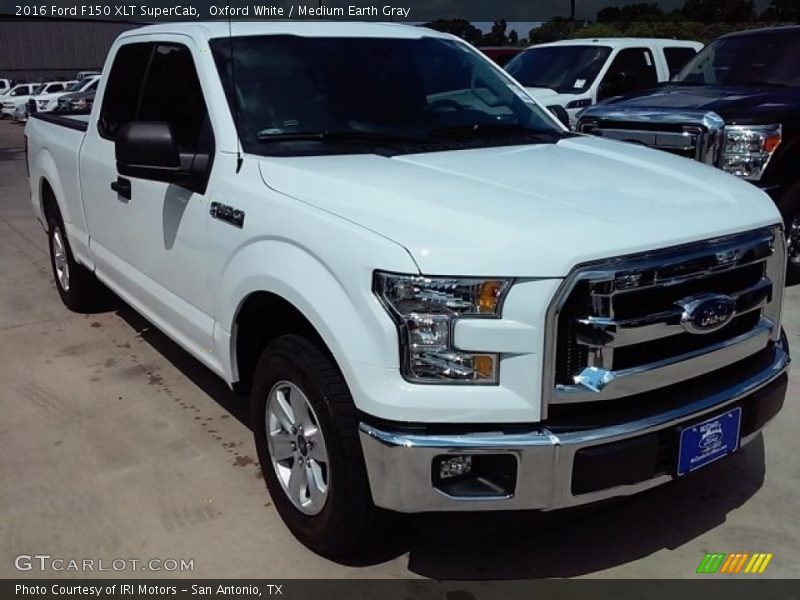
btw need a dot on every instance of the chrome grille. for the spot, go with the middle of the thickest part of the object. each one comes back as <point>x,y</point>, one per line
<point>691,134</point>
<point>619,328</point>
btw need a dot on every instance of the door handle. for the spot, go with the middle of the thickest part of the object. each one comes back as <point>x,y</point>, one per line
<point>123,187</point>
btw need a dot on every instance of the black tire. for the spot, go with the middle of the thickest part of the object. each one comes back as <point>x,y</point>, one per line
<point>789,205</point>
<point>348,522</point>
<point>83,292</point>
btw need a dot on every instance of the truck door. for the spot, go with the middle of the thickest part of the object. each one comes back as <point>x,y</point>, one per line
<point>152,233</point>
<point>632,70</point>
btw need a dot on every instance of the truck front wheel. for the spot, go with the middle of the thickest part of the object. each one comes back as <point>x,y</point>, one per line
<point>78,288</point>
<point>306,434</point>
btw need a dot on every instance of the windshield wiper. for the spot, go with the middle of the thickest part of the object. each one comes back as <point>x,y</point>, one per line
<point>477,129</point>
<point>342,136</point>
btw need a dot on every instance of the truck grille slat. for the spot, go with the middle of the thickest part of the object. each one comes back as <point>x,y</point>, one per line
<point>621,325</point>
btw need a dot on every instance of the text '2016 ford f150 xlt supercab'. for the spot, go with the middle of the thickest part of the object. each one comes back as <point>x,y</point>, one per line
<point>438,298</point>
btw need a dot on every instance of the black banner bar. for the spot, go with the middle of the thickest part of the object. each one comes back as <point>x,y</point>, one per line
<point>713,588</point>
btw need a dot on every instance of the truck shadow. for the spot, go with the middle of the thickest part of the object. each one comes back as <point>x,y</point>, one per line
<point>525,545</point>
<point>216,389</point>
<point>568,544</point>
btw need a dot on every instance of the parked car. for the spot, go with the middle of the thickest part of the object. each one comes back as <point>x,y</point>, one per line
<point>437,297</point>
<point>501,54</point>
<point>18,94</point>
<point>49,102</point>
<point>84,74</point>
<point>44,90</point>
<point>577,73</point>
<point>736,106</point>
<point>79,102</point>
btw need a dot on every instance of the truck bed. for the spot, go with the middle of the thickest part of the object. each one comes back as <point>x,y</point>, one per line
<point>77,122</point>
<point>54,144</point>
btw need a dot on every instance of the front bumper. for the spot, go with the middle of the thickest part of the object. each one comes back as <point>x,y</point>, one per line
<point>556,469</point>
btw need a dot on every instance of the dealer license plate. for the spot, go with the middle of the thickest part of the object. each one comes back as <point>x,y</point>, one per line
<point>703,443</point>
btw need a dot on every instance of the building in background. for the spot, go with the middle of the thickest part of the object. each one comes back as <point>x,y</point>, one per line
<point>42,49</point>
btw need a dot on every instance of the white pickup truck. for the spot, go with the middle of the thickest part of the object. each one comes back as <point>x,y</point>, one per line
<point>437,298</point>
<point>578,73</point>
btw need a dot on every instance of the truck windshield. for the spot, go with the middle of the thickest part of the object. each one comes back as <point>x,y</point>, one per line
<point>564,69</point>
<point>329,95</point>
<point>768,59</point>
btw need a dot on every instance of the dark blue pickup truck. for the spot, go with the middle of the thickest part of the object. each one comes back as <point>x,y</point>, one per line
<point>735,105</point>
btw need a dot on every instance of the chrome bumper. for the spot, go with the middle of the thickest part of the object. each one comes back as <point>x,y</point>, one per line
<point>399,465</point>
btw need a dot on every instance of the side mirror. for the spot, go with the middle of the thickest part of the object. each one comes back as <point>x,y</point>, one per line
<point>561,114</point>
<point>147,150</point>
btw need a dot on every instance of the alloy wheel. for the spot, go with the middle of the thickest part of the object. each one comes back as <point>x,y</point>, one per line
<point>60,260</point>
<point>297,447</point>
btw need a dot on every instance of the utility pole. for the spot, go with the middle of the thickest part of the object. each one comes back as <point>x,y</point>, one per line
<point>571,18</point>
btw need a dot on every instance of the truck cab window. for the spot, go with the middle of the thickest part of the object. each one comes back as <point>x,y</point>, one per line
<point>122,90</point>
<point>172,93</point>
<point>677,59</point>
<point>633,70</point>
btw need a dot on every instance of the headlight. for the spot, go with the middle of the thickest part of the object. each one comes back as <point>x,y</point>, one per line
<point>747,149</point>
<point>425,310</point>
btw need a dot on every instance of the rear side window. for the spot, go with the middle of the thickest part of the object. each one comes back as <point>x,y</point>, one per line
<point>172,93</point>
<point>122,91</point>
<point>633,70</point>
<point>677,59</point>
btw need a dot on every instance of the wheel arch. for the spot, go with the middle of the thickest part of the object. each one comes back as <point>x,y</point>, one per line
<point>298,290</point>
<point>49,189</point>
<point>261,318</point>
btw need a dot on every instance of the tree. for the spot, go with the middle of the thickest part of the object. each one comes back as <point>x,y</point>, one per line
<point>629,12</point>
<point>782,10</point>
<point>598,30</point>
<point>497,35</point>
<point>557,29</point>
<point>459,27</point>
<point>719,11</point>
<point>513,38</point>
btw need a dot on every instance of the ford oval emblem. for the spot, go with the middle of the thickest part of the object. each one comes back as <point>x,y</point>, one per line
<point>705,313</point>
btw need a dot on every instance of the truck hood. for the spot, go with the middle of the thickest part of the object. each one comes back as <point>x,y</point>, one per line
<point>548,97</point>
<point>735,104</point>
<point>525,211</point>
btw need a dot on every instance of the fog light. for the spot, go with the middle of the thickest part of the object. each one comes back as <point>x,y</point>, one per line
<point>455,466</point>
<point>475,475</point>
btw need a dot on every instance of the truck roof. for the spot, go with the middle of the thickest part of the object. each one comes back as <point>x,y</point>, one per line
<point>218,29</point>
<point>621,42</point>
<point>780,30</point>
